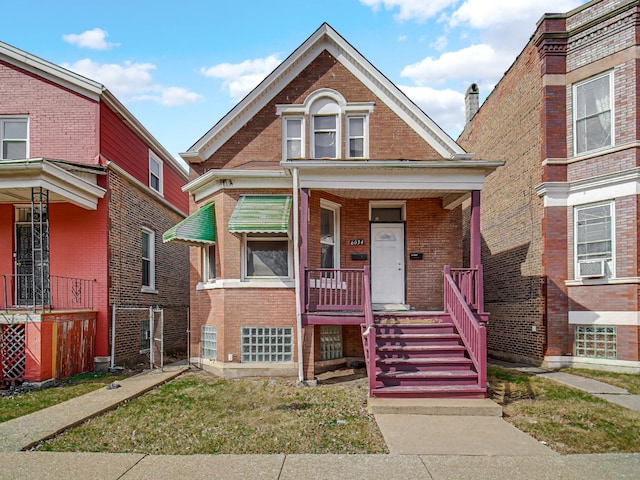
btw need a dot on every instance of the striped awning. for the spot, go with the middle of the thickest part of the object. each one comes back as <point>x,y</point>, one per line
<point>197,229</point>
<point>261,214</point>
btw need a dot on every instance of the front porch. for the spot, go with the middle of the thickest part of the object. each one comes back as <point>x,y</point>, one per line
<point>408,353</point>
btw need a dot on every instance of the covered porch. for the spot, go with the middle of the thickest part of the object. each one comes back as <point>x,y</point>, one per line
<point>382,287</point>
<point>47,306</point>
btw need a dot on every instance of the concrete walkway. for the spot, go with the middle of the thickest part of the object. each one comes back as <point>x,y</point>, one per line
<point>439,446</point>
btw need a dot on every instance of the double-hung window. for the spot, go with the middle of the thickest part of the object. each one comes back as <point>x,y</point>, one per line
<point>325,136</point>
<point>148,260</point>
<point>593,113</point>
<point>209,263</point>
<point>14,135</point>
<point>329,235</point>
<point>155,172</point>
<point>594,240</point>
<point>294,144</point>
<point>356,138</point>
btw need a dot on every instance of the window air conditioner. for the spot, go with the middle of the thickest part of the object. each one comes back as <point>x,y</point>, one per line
<point>591,269</point>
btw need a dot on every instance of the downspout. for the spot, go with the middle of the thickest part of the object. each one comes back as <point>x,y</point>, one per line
<point>296,267</point>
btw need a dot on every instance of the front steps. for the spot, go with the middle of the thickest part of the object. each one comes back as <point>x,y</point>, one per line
<point>422,356</point>
<point>477,407</point>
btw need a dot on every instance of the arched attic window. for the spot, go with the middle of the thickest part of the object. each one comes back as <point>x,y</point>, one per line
<point>322,115</point>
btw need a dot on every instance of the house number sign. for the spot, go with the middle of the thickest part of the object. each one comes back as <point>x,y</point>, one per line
<point>358,241</point>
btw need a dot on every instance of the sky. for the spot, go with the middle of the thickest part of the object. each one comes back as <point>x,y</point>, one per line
<point>180,66</point>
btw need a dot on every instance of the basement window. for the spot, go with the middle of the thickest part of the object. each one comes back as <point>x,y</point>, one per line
<point>267,344</point>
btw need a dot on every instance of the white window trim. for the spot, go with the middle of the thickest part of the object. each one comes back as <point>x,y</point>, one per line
<point>365,133</point>
<point>243,257</point>
<point>285,136</point>
<point>612,262</point>
<point>153,158</point>
<point>389,204</point>
<point>574,102</point>
<point>335,208</point>
<point>152,262</point>
<point>15,117</point>
<point>207,277</point>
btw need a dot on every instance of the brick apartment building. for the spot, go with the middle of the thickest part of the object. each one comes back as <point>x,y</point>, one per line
<point>560,221</point>
<point>325,201</point>
<point>85,193</point>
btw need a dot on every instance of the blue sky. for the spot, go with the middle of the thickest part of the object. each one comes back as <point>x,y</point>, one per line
<point>179,66</point>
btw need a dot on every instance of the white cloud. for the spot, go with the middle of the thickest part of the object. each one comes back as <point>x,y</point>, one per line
<point>477,62</point>
<point>402,38</point>
<point>440,43</point>
<point>481,14</point>
<point>133,82</point>
<point>241,78</point>
<point>95,39</point>
<point>445,107</point>
<point>420,10</point>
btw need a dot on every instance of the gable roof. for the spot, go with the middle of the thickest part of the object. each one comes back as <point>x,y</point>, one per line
<point>324,38</point>
<point>87,88</point>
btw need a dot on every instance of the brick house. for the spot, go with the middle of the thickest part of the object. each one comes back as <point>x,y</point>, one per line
<point>326,217</point>
<point>560,219</point>
<point>85,192</point>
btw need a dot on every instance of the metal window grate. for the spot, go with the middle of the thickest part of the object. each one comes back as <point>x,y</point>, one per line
<point>267,344</point>
<point>595,341</point>
<point>209,342</point>
<point>145,335</point>
<point>330,342</point>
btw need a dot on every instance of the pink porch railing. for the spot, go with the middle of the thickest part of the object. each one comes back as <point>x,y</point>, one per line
<point>459,298</point>
<point>329,289</point>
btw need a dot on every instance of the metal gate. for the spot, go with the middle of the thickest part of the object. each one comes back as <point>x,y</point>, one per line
<point>128,324</point>
<point>12,353</point>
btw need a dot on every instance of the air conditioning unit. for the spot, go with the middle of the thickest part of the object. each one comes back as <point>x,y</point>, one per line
<point>591,269</point>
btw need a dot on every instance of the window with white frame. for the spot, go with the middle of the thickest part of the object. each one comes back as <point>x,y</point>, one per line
<point>329,235</point>
<point>155,172</point>
<point>267,257</point>
<point>145,335</point>
<point>209,342</point>
<point>208,263</point>
<point>148,260</point>
<point>357,144</point>
<point>267,344</point>
<point>14,136</point>
<point>593,113</point>
<point>594,240</point>
<point>595,341</point>
<point>330,342</point>
<point>325,136</point>
<point>294,137</point>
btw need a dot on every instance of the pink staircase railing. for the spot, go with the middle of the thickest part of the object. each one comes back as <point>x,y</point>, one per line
<point>459,298</point>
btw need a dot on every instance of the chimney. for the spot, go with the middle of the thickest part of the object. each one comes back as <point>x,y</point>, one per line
<point>471,101</point>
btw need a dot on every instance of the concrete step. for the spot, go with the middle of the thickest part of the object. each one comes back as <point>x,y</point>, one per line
<point>430,391</point>
<point>434,406</point>
<point>420,351</point>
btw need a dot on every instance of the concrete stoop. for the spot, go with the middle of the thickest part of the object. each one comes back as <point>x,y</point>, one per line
<point>435,406</point>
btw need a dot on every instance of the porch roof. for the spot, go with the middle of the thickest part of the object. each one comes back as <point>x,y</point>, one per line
<point>198,228</point>
<point>65,182</point>
<point>261,214</point>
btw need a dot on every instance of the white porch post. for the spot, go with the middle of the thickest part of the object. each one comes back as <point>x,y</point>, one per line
<point>297,272</point>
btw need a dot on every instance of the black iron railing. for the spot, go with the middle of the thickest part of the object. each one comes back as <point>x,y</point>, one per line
<point>33,293</point>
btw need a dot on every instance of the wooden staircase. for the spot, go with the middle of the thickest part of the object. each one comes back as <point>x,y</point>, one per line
<point>421,356</point>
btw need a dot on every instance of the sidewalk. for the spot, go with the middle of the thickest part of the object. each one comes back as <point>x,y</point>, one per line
<point>421,446</point>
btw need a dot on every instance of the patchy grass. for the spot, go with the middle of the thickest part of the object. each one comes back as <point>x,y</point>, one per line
<point>198,413</point>
<point>628,381</point>
<point>22,402</point>
<point>566,419</point>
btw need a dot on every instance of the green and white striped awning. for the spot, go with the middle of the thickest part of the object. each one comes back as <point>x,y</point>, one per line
<point>197,229</point>
<point>261,214</point>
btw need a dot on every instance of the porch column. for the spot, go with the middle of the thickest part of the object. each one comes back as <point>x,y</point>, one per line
<point>475,241</point>
<point>304,244</point>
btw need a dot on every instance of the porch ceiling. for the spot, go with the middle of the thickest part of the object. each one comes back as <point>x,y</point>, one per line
<point>18,177</point>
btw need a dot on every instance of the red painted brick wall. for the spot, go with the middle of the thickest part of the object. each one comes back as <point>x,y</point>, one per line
<point>62,124</point>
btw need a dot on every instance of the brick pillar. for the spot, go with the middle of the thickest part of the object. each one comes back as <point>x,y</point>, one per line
<point>308,359</point>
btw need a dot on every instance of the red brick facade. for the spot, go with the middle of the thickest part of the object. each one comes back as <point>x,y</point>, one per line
<point>528,205</point>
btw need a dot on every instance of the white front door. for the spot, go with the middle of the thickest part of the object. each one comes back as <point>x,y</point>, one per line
<point>387,263</point>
